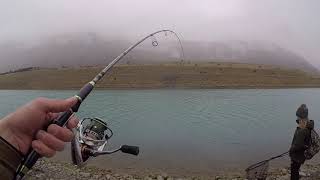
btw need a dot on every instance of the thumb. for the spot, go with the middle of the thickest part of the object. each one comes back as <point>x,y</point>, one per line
<point>55,105</point>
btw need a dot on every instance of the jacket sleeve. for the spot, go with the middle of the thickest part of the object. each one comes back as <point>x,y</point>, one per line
<point>10,158</point>
<point>298,143</point>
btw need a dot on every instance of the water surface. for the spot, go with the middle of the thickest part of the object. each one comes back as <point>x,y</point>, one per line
<point>189,130</point>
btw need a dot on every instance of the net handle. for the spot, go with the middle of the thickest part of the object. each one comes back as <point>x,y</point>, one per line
<point>279,156</point>
<point>265,161</point>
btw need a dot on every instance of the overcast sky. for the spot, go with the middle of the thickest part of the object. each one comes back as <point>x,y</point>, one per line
<point>292,24</point>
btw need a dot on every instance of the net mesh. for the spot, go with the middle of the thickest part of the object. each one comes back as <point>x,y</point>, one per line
<point>258,171</point>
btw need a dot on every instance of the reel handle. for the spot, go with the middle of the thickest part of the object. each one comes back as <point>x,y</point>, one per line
<point>134,150</point>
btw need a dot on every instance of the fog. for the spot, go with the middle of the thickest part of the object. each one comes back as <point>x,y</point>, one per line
<point>292,24</point>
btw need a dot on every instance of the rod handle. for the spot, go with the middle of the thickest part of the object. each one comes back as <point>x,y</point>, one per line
<point>28,164</point>
<point>81,96</point>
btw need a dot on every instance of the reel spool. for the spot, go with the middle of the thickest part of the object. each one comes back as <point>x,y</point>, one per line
<point>90,140</point>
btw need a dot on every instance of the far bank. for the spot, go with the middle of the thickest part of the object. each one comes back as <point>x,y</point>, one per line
<point>160,76</point>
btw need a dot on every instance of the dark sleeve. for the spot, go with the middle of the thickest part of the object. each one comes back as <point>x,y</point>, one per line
<point>298,143</point>
<point>10,158</point>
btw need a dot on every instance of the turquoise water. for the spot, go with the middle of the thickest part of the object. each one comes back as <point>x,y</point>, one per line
<point>194,130</point>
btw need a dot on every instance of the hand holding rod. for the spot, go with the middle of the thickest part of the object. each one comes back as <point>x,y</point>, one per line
<point>33,156</point>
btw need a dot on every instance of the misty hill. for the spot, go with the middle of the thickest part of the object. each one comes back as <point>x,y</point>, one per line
<point>248,52</point>
<point>90,49</point>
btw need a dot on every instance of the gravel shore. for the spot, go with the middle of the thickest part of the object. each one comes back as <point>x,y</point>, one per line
<point>49,170</point>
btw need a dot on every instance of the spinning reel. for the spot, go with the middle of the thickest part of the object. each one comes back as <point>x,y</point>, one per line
<point>90,140</point>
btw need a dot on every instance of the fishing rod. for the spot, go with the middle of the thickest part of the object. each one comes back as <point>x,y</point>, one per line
<point>33,156</point>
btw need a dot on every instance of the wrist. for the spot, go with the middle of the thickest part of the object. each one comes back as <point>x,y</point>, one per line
<point>7,134</point>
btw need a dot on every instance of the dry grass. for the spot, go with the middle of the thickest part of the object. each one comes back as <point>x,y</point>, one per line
<point>205,75</point>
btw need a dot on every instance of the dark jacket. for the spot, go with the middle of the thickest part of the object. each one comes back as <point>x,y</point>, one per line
<point>301,141</point>
<point>10,159</point>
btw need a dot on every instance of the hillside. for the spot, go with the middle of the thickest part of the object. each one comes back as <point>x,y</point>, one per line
<point>209,75</point>
<point>91,49</point>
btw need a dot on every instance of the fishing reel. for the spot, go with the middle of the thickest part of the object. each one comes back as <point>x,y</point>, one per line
<point>90,140</point>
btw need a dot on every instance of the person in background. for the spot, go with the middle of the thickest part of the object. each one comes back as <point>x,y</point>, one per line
<point>22,130</point>
<point>301,141</point>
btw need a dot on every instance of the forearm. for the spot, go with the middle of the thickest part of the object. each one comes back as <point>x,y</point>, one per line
<point>7,134</point>
<point>10,155</point>
<point>10,158</point>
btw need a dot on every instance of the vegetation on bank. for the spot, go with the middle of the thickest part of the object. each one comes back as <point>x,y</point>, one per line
<point>204,75</point>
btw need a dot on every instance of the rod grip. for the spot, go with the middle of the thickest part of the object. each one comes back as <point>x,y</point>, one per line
<point>29,162</point>
<point>83,93</point>
<point>63,118</point>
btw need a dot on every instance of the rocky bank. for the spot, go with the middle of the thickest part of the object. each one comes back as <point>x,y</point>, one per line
<point>49,170</point>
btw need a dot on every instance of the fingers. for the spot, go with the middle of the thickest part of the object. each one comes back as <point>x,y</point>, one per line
<point>47,143</point>
<point>49,140</point>
<point>52,116</point>
<point>55,105</point>
<point>42,149</point>
<point>61,133</point>
<point>73,122</point>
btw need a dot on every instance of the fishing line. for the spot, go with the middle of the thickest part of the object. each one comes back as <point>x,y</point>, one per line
<point>33,156</point>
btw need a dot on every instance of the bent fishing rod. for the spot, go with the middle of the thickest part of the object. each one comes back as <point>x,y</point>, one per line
<point>33,156</point>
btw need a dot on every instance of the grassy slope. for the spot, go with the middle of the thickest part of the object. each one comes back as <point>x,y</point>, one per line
<point>213,75</point>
